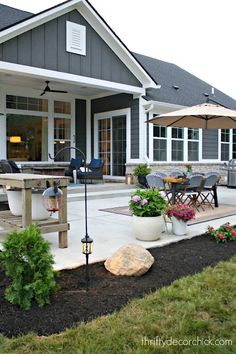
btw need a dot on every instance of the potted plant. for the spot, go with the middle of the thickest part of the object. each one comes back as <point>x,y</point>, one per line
<point>147,207</point>
<point>180,214</point>
<point>189,170</point>
<point>141,171</point>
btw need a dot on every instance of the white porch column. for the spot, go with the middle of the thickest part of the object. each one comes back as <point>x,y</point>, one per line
<point>88,129</point>
<point>3,150</point>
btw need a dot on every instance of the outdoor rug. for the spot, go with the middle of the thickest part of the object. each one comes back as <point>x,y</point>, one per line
<point>201,216</point>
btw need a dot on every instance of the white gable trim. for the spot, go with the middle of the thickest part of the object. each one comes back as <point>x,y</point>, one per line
<point>30,71</point>
<point>96,22</point>
<point>37,20</point>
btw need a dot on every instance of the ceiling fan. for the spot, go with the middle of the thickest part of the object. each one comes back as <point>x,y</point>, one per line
<point>47,89</point>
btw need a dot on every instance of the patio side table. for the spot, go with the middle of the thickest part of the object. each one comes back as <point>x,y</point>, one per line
<point>27,181</point>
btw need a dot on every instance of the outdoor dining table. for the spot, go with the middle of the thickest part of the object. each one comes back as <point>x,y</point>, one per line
<point>175,182</point>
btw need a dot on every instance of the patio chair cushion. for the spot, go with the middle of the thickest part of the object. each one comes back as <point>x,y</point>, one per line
<point>94,171</point>
<point>75,164</point>
<point>9,166</point>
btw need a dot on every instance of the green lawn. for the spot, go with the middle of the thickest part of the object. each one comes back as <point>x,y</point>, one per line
<point>199,307</point>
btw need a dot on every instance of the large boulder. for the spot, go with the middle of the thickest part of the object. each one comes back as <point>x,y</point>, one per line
<point>130,259</point>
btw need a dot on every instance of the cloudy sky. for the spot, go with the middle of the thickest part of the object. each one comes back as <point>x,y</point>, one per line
<point>197,35</point>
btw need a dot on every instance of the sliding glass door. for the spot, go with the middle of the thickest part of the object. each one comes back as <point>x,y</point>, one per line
<point>111,133</point>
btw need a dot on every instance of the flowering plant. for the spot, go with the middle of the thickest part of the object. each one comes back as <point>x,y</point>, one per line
<point>148,202</point>
<point>181,212</point>
<point>223,234</point>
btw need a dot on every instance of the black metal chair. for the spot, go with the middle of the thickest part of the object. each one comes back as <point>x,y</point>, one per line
<point>9,166</point>
<point>207,193</point>
<point>93,171</point>
<point>75,164</point>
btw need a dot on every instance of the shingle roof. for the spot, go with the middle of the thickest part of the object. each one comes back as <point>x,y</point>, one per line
<point>191,89</point>
<point>9,16</point>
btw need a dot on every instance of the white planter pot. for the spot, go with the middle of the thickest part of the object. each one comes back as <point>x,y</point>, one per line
<point>15,204</point>
<point>179,227</point>
<point>148,228</point>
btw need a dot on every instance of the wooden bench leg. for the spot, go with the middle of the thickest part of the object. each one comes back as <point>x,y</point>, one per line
<point>63,240</point>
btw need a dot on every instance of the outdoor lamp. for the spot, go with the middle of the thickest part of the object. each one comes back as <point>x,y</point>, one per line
<point>87,245</point>
<point>52,198</point>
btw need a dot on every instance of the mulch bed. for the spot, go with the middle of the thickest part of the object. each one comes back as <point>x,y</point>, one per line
<point>107,293</point>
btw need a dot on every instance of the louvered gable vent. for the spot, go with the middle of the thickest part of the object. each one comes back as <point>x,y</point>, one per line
<point>75,38</point>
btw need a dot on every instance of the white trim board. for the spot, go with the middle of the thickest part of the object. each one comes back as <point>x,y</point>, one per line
<point>30,71</point>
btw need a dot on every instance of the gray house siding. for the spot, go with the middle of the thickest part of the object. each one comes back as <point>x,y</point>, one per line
<point>116,102</point>
<point>45,47</point>
<point>210,144</point>
<point>80,125</point>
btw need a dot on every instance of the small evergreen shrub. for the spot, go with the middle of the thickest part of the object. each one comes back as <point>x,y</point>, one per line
<point>28,263</point>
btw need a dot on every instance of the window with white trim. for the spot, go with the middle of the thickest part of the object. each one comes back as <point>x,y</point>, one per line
<point>75,38</point>
<point>62,129</point>
<point>193,144</point>
<point>159,143</point>
<point>26,103</point>
<point>177,144</point>
<point>225,144</point>
<point>234,144</point>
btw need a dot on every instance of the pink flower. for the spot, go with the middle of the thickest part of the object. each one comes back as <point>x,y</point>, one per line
<point>144,202</point>
<point>136,198</point>
<point>211,228</point>
<point>162,194</point>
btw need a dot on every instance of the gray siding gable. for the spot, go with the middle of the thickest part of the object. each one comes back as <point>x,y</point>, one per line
<point>45,47</point>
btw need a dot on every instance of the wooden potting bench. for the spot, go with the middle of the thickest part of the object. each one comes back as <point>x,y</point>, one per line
<point>27,181</point>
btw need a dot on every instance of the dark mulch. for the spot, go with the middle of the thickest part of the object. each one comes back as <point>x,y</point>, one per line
<point>107,293</point>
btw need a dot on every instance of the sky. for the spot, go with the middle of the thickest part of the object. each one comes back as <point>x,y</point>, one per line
<point>197,35</point>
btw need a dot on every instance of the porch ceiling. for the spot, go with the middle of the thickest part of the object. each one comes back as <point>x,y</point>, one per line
<point>37,85</point>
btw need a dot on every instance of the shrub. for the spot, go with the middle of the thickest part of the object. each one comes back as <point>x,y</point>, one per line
<point>28,262</point>
<point>223,234</point>
<point>146,203</point>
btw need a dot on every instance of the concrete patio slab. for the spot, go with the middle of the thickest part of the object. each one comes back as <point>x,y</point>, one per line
<point>111,231</point>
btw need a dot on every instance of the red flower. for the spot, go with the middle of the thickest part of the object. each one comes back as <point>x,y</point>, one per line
<point>211,228</point>
<point>220,237</point>
<point>234,233</point>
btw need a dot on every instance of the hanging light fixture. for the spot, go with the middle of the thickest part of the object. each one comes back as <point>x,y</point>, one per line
<point>52,198</point>
<point>15,139</point>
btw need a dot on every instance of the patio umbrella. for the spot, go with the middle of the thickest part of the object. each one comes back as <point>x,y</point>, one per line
<point>205,116</point>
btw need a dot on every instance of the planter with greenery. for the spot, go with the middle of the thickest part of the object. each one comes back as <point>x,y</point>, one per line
<point>28,263</point>
<point>147,207</point>
<point>141,171</point>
